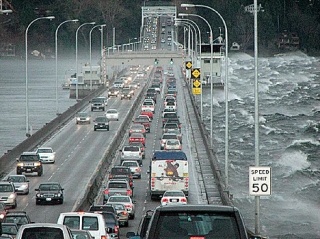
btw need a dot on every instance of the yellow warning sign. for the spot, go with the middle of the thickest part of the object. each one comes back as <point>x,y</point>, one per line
<point>195,73</point>
<point>188,65</point>
<point>196,83</point>
<point>196,87</point>
<point>196,91</point>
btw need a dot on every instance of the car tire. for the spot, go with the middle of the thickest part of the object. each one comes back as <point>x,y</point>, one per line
<point>107,129</point>
<point>126,224</point>
<point>37,203</point>
<point>61,201</point>
<point>94,129</point>
<point>39,173</point>
<point>15,205</point>
<point>19,173</point>
<point>132,216</point>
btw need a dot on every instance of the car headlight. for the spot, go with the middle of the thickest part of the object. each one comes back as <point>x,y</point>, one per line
<point>12,195</point>
<point>24,186</point>
<point>20,164</point>
<point>87,118</point>
<point>78,118</point>
<point>36,164</point>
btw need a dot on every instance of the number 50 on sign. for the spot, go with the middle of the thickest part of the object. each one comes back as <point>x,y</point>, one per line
<point>260,181</point>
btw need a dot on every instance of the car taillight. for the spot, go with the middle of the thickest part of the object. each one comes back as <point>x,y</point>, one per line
<point>138,169</point>
<point>129,192</point>
<point>128,205</point>
<point>104,237</point>
<point>183,200</point>
<point>106,191</point>
<point>164,200</point>
<point>116,229</point>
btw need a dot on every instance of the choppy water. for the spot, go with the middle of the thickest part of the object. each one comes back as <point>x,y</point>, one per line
<point>41,95</point>
<point>289,124</point>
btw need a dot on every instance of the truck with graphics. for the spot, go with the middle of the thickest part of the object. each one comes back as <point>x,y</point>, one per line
<point>168,171</point>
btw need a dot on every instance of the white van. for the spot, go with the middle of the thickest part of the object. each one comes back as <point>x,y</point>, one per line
<point>92,222</point>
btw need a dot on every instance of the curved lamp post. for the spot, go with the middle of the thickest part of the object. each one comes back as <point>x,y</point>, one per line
<point>199,40</point>
<point>90,42</point>
<point>26,46</point>
<point>87,23</point>
<point>56,50</point>
<point>226,90</point>
<point>211,69</point>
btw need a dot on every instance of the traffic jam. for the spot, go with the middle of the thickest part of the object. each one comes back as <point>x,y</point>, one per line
<point>117,205</point>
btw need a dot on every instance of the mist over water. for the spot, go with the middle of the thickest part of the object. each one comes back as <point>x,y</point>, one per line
<point>289,123</point>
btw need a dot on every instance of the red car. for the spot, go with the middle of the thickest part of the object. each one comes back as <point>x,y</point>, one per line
<point>137,137</point>
<point>147,113</point>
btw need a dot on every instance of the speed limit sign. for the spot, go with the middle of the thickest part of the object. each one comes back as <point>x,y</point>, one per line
<point>259,181</point>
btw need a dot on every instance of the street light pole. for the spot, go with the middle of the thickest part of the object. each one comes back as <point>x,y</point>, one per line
<point>56,51</point>
<point>226,90</point>
<point>90,42</point>
<point>211,71</point>
<point>87,23</point>
<point>28,134</point>
<point>199,40</point>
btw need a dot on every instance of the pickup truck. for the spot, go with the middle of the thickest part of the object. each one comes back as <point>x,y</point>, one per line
<point>196,221</point>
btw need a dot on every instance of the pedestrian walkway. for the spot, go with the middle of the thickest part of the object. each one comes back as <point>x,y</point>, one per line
<point>207,182</point>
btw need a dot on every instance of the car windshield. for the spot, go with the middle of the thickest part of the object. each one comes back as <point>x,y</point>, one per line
<point>43,233</point>
<point>44,150</point>
<point>18,219</point>
<point>101,119</point>
<point>119,207</point>
<point>136,136</point>
<point>201,224</point>
<point>170,115</point>
<point>10,229</point>
<point>147,103</point>
<point>172,142</point>
<point>173,193</point>
<point>6,188</point>
<point>16,179</point>
<point>137,126</point>
<point>120,171</point>
<point>112,111</point>
<point>130,164</point>
<point>119,199</point>
<point>131,148</point>
<point>49,187</point>
<point>117,185</point>
<point>97,100</point>
<point>169,136</point>
<point>82,114</point>
<point>29,158</point>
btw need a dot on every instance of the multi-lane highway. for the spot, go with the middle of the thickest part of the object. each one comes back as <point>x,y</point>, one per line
<point>79,150</point>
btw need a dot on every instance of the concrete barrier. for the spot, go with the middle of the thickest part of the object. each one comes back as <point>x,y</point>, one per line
<point>95,183</point>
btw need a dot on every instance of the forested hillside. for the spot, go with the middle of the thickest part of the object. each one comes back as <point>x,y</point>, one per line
<point>301,17</point>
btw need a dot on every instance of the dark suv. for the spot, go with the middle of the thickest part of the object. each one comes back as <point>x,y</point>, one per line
<point>101,122</point>
<point>18,217</point>
<point>143,226</point>
<point>98,104</point>
<point>121,172</point>
<point>49,192</point>
<point>29,162</point>
<point>180,222</point>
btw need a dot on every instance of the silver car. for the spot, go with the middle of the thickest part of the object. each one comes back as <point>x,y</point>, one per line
<point>20,182</point>
<point>8,194</point>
